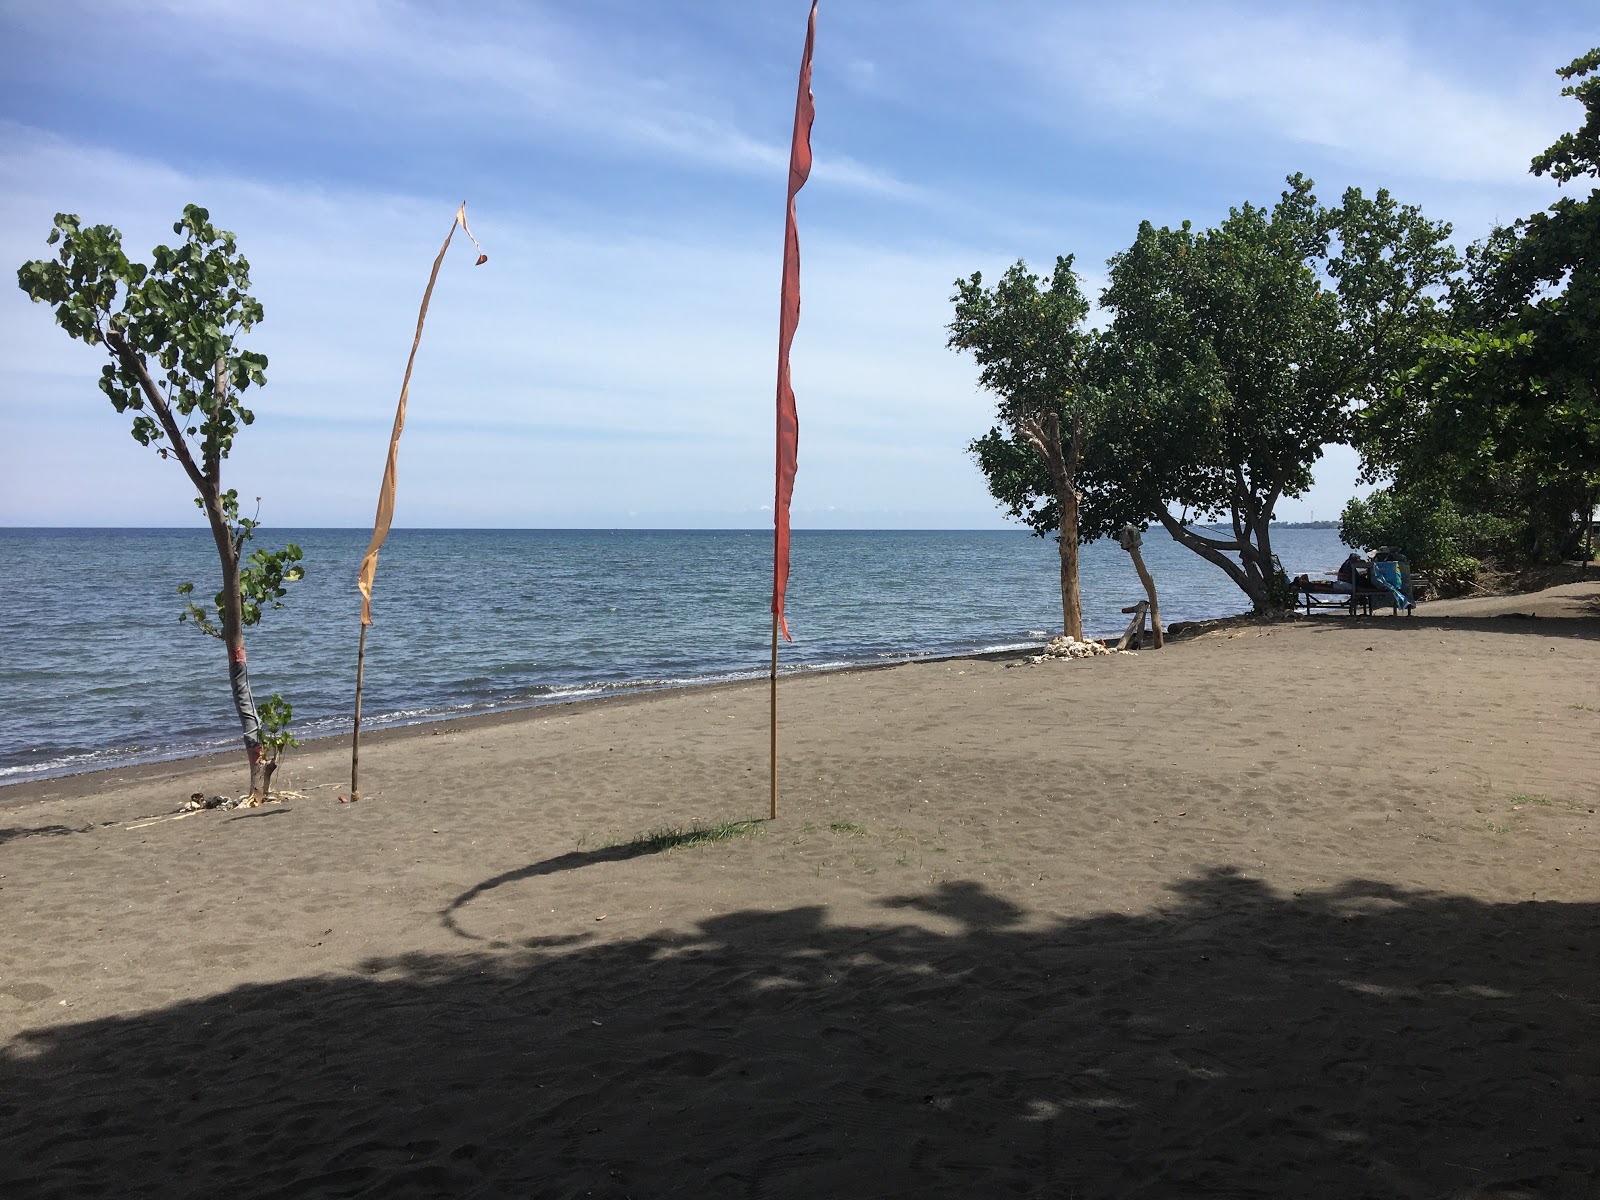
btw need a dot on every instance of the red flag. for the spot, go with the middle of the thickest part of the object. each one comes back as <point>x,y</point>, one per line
<point>788,320</point>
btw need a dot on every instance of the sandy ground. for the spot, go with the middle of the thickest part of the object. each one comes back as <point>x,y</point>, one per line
<point>1308,909</point>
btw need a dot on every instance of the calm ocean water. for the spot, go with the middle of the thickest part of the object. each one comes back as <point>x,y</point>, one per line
<point>95,670</point>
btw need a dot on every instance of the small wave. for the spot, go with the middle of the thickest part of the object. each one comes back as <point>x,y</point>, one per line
<point>1006,647</point>
<point>78,762</point>
<point>64,764</point>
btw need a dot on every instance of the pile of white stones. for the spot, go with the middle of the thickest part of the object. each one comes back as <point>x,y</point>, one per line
<point>1067,647</point>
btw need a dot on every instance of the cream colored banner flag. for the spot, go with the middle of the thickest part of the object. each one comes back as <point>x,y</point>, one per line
<point>380,525</point>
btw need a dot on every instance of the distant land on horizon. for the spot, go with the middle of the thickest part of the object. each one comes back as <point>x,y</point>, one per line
<point>8,528</point>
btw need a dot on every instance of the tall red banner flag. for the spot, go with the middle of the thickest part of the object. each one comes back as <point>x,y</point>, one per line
<point>788,321</point>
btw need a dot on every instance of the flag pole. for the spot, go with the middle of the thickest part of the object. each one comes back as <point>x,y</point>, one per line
<point>788,425</point>
<point>774,717</point>
<point>355,734</point>
<point>385,513</point>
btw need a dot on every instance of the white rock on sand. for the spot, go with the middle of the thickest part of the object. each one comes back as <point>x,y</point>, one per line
<point>1069,647</point>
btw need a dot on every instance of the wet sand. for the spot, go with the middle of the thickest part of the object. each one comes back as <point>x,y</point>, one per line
<point>1306,909</point>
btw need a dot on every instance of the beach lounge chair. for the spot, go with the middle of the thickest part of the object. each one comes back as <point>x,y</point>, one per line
<point>1357,588</point>
<point>1394,577</point>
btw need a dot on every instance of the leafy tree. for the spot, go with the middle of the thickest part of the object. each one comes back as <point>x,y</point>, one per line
<point>1508,400</point>
<point>1029,337</point>
<point>1237,353</point>
<point>171,330</point>
<point>1424,525</point>
<point>276,714</point>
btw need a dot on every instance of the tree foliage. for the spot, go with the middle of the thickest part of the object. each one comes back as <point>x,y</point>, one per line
<point>1506,402</point>
<point>1029,337</point>
<point>264,577</point>
<point>1236,353</point>
<point>172,330</point>
<point>1431,530</point>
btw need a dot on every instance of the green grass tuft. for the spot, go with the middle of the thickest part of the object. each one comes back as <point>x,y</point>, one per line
<point>657,841</point>
<point>1522,798</point>
<point>853,828</point>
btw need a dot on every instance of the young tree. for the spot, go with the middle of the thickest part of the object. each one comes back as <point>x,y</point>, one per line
<point>1029,337</point>
<point>1239,352</point>
<point>171,329</point>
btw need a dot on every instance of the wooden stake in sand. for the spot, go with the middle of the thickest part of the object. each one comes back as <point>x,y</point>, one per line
<point>1130,540</point>
<point>788,421</point>
<point>385,515</point>
<point>774,815</point>
<point>1134,633</point>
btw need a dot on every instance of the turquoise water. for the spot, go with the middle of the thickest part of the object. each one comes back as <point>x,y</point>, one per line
<point>95,670</point>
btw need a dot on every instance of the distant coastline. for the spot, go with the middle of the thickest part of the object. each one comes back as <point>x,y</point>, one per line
<point>1281,525</point>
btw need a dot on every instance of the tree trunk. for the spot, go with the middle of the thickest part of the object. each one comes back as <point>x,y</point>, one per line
<point>244,704</point>
<point>1248,581</point>
<point>1071,601</point>
<point>1045,435</point>
<point>232,614</point>
<point>1150,591</point>
<point>207,479</point>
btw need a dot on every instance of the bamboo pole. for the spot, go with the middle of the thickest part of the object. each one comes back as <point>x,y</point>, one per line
<point>355,733</point>
<point>774,707</point>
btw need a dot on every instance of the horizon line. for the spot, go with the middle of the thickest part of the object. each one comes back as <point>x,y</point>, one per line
<point>7,528</point>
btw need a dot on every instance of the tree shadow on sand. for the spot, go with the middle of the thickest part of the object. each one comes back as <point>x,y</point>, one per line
<point>1359,1041</point>
<point>1585,628</point>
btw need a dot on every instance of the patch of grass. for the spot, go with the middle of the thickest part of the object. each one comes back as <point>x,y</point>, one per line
<point>1493,828</point>
<point>656,841</point>
<point>1522,798</point>
<point>1586,708</point>
<point>853,828</point>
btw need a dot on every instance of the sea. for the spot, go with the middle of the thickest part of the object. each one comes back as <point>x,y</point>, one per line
<point>96,671</point>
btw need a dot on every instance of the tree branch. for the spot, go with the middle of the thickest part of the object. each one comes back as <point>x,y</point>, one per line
<point>1198,539</point>
<point>213,452</point>
<point>1205,549</point>
<point>134,363</point>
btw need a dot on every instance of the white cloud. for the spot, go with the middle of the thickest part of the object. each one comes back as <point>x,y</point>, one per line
<point>628,185</point>
<point>524,65</point>
<point>1368,96</point>
<point>581,368</point>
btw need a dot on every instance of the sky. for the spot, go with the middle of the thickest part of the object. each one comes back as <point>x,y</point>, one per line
<point>624,165</point>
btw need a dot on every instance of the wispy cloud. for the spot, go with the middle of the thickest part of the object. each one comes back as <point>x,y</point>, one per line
<point>498,65</point>
<point>579,359</point>
<point>625,163</point>
<point>1318,77</point>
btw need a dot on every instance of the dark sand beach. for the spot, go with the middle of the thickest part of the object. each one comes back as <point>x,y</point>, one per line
<point>1306,909</point>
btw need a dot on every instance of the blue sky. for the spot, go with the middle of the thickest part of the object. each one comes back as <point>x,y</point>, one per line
<point>624,164</point>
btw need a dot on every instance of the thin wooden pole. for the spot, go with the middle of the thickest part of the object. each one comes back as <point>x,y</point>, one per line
<point>1150,591</point>
<point>774,716</point>
<point>355,734</point>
